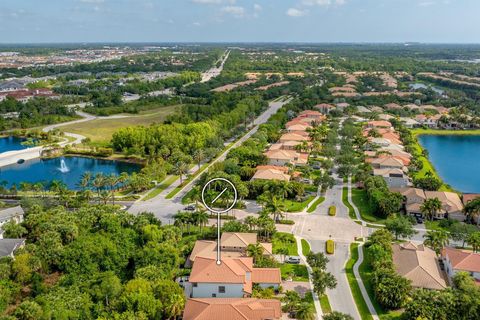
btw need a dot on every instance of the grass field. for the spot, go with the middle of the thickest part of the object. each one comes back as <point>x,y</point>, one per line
<point>357,294</point>
<point>299,272</point>
<point>315,204</point>
<point>295,206</point>
<point>325,304</point>
<point>101,130</point>
<point>162,186</point>
<point>359,198</point>
<point>351,212</point>
<point>305,247</point>
<point>291,244</point>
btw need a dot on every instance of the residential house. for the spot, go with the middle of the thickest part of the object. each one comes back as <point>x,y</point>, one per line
<point>15,213</point>
<point>287,145</point>
<point>395,178</point>
<point>233,245</point>
<point>342,106</point>
<point>387,162</point>
<point>297,136</point>
<point>285,157</point>
<point>232,309</point>
<point>419,264</point>
<point>271,173</point>
<point>232,278</point>
<point>452,206</point>
<point>428,121</point>
<point>456,260</point>
<point>324,108</point>
<point>379,124</point>
<point>8,246</point>
<point>409,122</point>
<point>297,127</point>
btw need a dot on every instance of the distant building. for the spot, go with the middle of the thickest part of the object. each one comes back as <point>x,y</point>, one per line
<point>9,246</point>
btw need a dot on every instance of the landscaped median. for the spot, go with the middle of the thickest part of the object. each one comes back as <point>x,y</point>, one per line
<point>315,204</point>
<point>354,287</point>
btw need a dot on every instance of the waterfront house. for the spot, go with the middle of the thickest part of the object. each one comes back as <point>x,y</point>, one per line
<point>232,278</point>
<point>395,178</point>
<point>419,264</point>
<point>232,309</point>
<point>456,260</point>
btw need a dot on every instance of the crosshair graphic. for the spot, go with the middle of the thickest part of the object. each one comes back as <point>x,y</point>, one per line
<point>219,195</point>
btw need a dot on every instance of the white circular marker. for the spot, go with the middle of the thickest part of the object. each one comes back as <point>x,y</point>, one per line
<point>226,185</point>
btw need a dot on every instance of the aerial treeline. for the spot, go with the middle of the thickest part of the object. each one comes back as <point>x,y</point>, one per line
<point>97,262</point>
<point>34,112</point>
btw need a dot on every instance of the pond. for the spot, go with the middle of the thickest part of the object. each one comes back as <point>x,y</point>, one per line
<point>11,144</point>
<point>419,85</point>
<point>455,158</point>
<point>68,170</point>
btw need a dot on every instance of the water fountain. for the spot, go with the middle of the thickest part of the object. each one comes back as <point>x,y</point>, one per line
<point>63,167</point>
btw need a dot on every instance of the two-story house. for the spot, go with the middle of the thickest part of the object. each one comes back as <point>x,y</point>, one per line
<point>456,260</point>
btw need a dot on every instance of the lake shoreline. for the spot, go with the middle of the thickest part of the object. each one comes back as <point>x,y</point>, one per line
<point>417,133</point>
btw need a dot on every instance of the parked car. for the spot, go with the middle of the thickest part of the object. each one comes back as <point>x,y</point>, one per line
<point>293,260</point>
<point>419,220</point>
<point>189,208</point>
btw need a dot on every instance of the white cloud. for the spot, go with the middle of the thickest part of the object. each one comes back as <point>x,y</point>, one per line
<point>237,11</point>
<point>214,1</point>
<point>323,3</point>
<point>256,10</point>
<point>92,1</point>
<point>293,12</point>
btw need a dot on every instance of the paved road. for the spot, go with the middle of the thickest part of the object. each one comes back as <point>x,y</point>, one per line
<point>163,208</point>
<point>214,71</point>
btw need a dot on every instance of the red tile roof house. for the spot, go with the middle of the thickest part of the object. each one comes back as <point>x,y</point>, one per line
<point>324,108</point>
<point>379,124</point>
<point>456,260</point>
<point>232,309</point>
<point>284,157</point>
<point>233,278</point>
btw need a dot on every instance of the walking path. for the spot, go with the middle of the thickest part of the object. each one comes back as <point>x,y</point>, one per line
<point>316,300</point>
<point>365,295</point>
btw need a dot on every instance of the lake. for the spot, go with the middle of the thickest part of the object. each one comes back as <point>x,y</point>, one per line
<point>11,143</point>
<point>68,169</point>
<point>456,159</point>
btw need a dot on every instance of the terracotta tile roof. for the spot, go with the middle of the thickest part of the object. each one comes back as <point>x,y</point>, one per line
<point>232,309</point>
<point>231,270</point>
<point>462,260</point>
<point>380,123</point>
<point>450,201</point>
<point>294,137</point>
<point>469,197</point>
<point>279,168</point>
<point>266,275</point>
<point>238,239</point>
<point>418,264</point>
<point>288,155</point>
<point>270,174</point>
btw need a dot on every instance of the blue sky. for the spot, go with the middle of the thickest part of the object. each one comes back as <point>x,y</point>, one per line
<point>25,21</point>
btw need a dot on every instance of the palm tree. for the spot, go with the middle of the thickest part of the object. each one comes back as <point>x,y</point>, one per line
<point>304,311</point>
<point>85,180</point>
<point>199,156</point>
<point>474,241</point>
<point>180,168</point>
<point>99,183</point>
<point>251,222</point>
<point>272,205</point>
<point>436,240</point>
<point>201,219</point>
<point>472,210</point>
<point>430,207</point>
<point>255,251</point>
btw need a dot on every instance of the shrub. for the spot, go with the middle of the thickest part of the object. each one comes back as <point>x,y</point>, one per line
<point>330,246</point>
<point>332,211</point>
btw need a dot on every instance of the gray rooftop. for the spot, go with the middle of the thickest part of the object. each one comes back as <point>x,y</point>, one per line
<point>9,213</point>
<point>8,246</point>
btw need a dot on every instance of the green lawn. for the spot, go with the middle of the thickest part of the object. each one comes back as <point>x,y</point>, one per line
<point>357,294</point>
<point>295,206</point>
<point>161,187</point>
<point>359,198</point>
<point>291,244</point>
<point>305,247</point>
<point>299,271</point>
<point>351,212</point>
<point>325,304</point>
<point>103,129</point>
<point>315,204</point>
<point>366,273</point>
